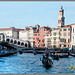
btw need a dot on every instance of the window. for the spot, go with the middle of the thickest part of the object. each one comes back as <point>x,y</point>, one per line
<point>60,45</point>
<point>64,34</point>
<point>65,40</point>
<point>54,38</point>
<point>73,38</point>
<point>68,28</point>
<point>73,30</point>
<point>35,34</point>
<point>54,46</point>
<point>43,45</point>
<point>60,29</point>
<point>68,34</point>
<point>68,40</point>
<point>54,34</point>
<point>49,39</point>
<point>39,34</point>
<point>54,42</point>
<point>37,39</point>
<point>64,45</point>
<point>64,29</point>
<point>43,40</point>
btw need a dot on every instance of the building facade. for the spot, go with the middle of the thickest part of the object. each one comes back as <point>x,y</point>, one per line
<point>65,36</point>
<point>11,32</point>
<point>39,37</point>
<point>72,44</point>
<point>28,34</point>
<point>48,40</point>
<point>55,38</point>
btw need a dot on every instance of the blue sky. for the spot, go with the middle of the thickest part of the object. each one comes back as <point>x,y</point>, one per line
<point>21,14</point>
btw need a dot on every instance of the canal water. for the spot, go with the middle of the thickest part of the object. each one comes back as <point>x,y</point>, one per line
<point>28,63</point>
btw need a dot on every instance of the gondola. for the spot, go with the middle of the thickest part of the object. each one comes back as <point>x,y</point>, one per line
<point>46,62</point>
<point>56,57</point>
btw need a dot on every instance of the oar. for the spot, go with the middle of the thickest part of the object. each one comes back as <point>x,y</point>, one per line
<point>35,61</point>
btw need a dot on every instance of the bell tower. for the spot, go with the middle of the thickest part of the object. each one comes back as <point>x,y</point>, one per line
<point>61,18</point>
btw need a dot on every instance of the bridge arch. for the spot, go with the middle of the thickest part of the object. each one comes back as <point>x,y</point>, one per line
<point>8,40</point>
<point>15,42</point>
<point>22,44</point>
<point>18,42</point>
<point>11,41</point>
<point>25,44</point>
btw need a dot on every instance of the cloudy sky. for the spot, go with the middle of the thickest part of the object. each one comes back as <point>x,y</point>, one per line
<point>45,13</point>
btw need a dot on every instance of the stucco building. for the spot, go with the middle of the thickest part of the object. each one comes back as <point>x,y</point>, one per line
<point>39,37</point>
<point>65,36</point>
<point>55,38</point>
<point>11,32</point>
<point>48,40</point>
<point>28,34</point>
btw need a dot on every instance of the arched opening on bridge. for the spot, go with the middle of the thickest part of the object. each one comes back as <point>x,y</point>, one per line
<point>18,42</point>
<point>8,40</point>
<point>25,44</point>
<point>22,43</point>
<point>29,45</point>
<point>11,41</point>
<point>15,42</point>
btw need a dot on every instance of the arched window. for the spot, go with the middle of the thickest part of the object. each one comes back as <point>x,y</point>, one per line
<point>15,42</point>
<point>29,45</point>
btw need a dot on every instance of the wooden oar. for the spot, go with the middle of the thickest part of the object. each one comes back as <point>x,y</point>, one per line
<point>35,61</point>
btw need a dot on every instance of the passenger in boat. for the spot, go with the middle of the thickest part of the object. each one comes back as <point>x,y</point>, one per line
<point>47,51</point>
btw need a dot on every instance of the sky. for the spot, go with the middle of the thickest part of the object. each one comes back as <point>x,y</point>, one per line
<point>21,14</point>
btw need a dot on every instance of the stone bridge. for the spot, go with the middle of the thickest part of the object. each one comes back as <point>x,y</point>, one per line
<point>14,41</point>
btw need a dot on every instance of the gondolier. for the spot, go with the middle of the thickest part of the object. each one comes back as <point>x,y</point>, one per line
<point>46,61</point>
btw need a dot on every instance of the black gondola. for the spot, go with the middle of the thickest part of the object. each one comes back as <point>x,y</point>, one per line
<point>46,62</point>
<point>20,52</point>
<point>56,57</point>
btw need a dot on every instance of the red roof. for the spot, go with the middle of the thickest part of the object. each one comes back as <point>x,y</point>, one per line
<point>11,29</point>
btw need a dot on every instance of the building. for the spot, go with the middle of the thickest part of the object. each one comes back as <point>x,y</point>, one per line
<point>48,40</point>
<point>55,38</point>
<point>72,44</point>
<point>61,18</point>
<point>11,32</point>
<point>65,36</point>
<point>28,34</point>
<point>39,37</point>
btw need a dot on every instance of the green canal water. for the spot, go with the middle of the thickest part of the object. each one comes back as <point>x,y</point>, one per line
<point>22,64</point>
